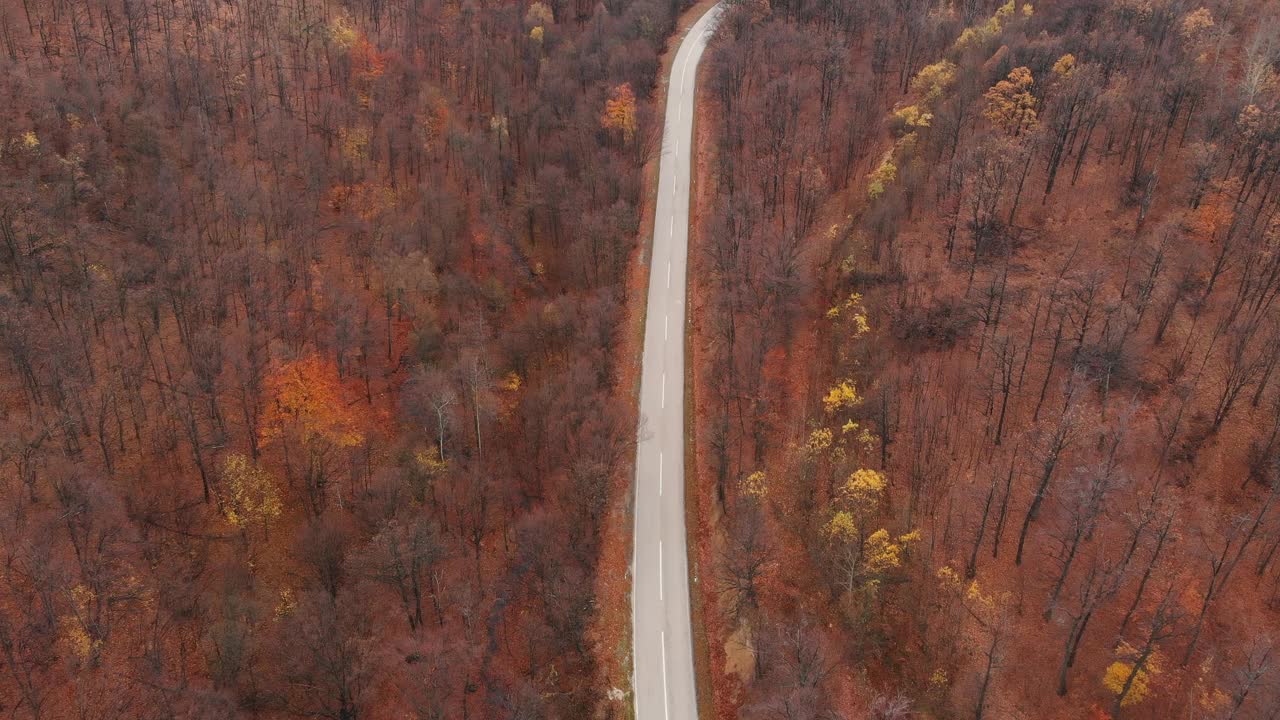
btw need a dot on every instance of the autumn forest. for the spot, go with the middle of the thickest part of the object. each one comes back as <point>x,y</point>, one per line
<point>307,316</point>
<point>320,336</point>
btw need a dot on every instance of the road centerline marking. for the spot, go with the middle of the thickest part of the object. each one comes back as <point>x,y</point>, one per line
<point>666,700</point>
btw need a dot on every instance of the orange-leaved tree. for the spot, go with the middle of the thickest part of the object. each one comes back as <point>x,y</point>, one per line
<point>620,112</point>
<point>311,411</point>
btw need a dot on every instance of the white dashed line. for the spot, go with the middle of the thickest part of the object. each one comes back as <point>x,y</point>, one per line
<point>666,705</point>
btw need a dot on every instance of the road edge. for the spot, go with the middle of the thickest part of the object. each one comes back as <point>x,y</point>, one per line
<point>703,692</point>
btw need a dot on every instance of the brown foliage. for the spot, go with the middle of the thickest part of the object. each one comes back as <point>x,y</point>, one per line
<point>1071,402</point>
<point>306,316</point>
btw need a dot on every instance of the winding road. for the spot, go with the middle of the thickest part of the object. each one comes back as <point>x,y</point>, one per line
<point>664,681</point>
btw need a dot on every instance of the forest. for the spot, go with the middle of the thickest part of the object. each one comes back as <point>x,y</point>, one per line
<point>308,312</point>
<point>988,417</point>
<point>318,357</point>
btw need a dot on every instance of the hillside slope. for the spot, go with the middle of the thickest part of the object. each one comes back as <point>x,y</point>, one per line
<point>989,420</point>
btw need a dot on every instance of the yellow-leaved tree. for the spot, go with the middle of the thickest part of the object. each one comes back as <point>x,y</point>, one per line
<point>883,176</point>
<point>1196,25</point>
<point>985,32</point>
<point>1011,104</point>
<point>1065,66</point>
<point>250,498</point>
<point>755,485</point>
<point>354,143</point>
<point>842,396</point>
<point>1131,676</point>
<point>79,628</point>
<point>539,15</point>
<point>341,33</point>
<point>933,79</point>
<point>853,313</point>
<point>864,556</point>
<point>1130,684</point>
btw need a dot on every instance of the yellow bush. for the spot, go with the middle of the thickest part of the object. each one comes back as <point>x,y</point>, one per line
<point>864,487</point>
<point>1196,24</point>
<point>755,485</point>
<point>819,440</point>
<point>1118,672</point>
<point>933,79</point>
<point>342,34</point>
<point>881,177</point>
<point>1065,66</point>
<point>980,34</point>
<point>287,603</point>
<point>251,497</point>
<point>354,142</point>
<point>912,116</point>
<point>841,527</point>
<point>842,396</point>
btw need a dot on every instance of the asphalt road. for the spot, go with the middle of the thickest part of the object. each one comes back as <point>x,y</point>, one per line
<point>664,682</point>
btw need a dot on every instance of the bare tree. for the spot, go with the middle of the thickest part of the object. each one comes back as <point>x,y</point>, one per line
<point>1255,671</point>
<point>1162,626</point>
<point>891,707</point>
<point>1052,446</point>
<point>992,660</point>
<point>745,560</point>
<point>1161,537</point>
<point>431,393</point>
<point>1236,538</point>
<point>1084,504</point>
<point>1097,584</point>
